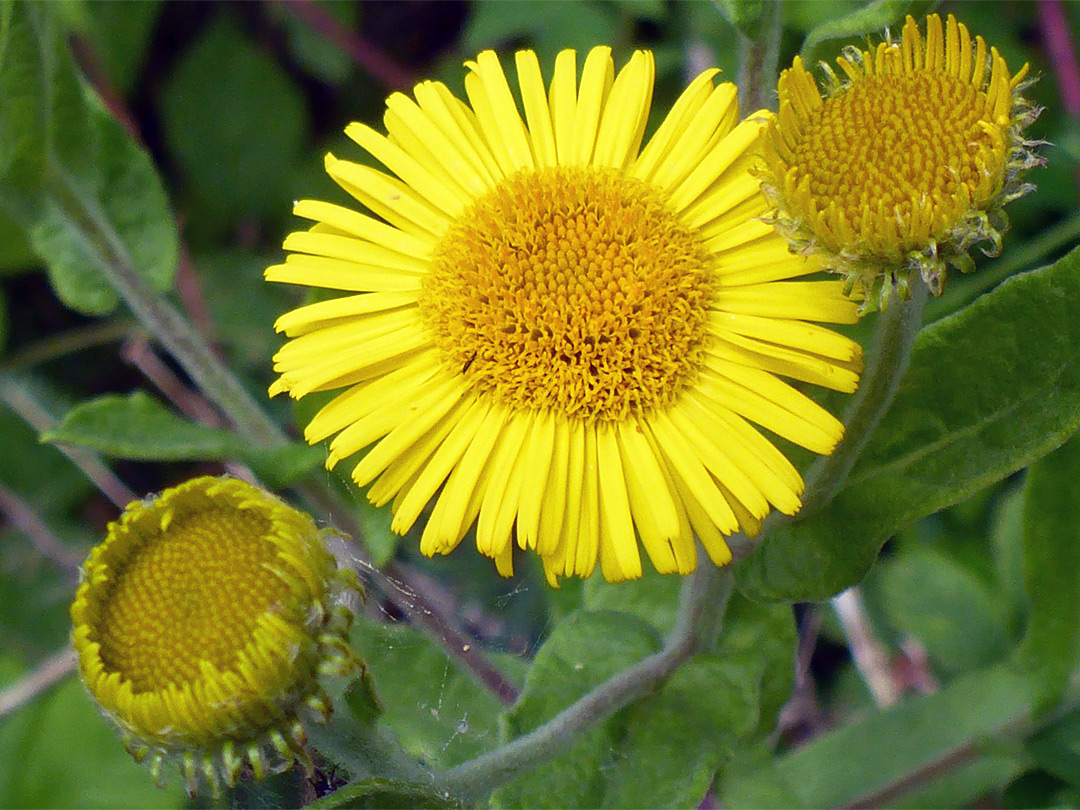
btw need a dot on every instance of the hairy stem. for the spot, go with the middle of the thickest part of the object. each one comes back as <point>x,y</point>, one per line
<point>706,592</point>
<point>889,357</point>
<point>160,318</point>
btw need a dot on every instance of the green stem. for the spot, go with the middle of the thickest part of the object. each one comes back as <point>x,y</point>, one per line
<point>704,596</point>
<point>758,59</point>
<point>160,318</point>
<point>889,357</point>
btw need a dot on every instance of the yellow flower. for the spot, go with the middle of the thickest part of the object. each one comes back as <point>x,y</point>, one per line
<point>556,334</point>
<point>201,625</point>
<point>905,163</point>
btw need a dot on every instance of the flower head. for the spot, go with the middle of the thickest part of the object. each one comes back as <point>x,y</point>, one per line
<point>557,335</point>
<point>201,625</point>
<point>906,162</point>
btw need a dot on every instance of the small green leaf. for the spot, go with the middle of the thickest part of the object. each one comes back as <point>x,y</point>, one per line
<point>236,159</point>
<point>383,793</point>
<point>139,427</point>
<point>582,651</point>
<point>989,390</point>
<point>361,699</point>
<point>861,760</point>
<point>1051,647</point>
<point>437,711</point>
<point>953,612</point>
<point>88,197</point>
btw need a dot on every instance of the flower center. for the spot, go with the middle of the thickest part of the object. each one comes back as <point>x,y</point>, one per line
<point>192,594</point>
<point>908,146</point>
<point>571,289</point>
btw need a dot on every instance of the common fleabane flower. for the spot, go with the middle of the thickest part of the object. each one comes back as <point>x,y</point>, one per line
<point>202,624</point>
<point>905,162</point>
<point>556,335</point>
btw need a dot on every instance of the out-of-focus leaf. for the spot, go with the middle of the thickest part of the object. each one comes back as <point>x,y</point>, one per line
<point>435,709</point>
<point>872,18</point>
<point>1007,545</point>
<point>967,783</point>
<point>745,15</point>
<point>954,613</point>
<point>868,757</point>
<point>139,427</point>
<point>88,197</point>
<point>319,55</point>
<point>552,26</point>
<point>234,123</point>
<point>40,474</point>
<point>122,32</point>
<point>582,651</point>
<point>383,793</point>
<point>15,253</point>
<point>989,390</point>
<point>1035,788</point>
<point>243,306</point>
<point>1056,748</point>
<point>58,752</point>
<point>1051,647</point>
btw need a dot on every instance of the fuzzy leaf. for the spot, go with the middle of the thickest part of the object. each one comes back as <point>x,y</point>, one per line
<point>989,390</point>
<point>139,427</point>
<point>1051,647</point>
<point>88,197</point>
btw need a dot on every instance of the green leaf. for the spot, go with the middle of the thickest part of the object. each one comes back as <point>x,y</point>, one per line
<point>88,197</point>
<point>873,18</point>
<point>583,650</point>
<point>989,390</point>
<point>58,752</point>
<point>654,598</point>
<point>139,427</point>
<point>382,793</point>
<point>551,26</point>
<point>1056,748</point>
<point>123,35</point>
<point>362,700</point>
<point>876,754</point>
<point>1051,646</point>
<point>437,711</point>
<point>675,741</point>
<point>768,633</point>
<point>953,612</point>
<point>745,15</point>
<point>234,122</point>
<point>312,49</point>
